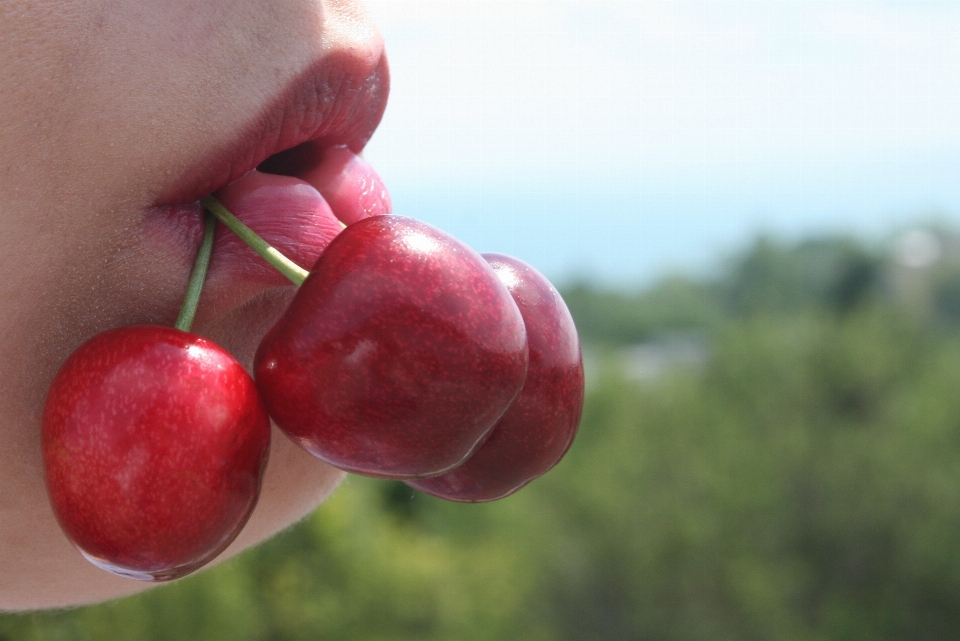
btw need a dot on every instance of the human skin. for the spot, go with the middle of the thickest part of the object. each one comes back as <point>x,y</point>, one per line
<point>108,111</point>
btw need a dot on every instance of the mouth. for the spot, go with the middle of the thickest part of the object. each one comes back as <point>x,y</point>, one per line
<point>293,175</point>
<point>337,102</point>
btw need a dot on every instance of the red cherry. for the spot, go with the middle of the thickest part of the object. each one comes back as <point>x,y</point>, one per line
<point>154,444</point>
<point>540,425</point>
<point>398,354</point>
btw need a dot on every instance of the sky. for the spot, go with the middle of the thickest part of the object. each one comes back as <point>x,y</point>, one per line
<point>627,140</point>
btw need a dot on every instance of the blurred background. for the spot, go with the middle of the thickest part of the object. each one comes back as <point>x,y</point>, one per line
<point>751,209</point>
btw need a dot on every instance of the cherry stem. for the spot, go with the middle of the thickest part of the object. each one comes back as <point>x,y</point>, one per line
<point>269,253</point>
<point>199,274</point>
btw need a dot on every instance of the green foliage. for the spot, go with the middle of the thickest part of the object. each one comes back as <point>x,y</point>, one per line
<point>829,273</point>
<point>608,317</point>
<point>804,485</point>
<point>769,278</point>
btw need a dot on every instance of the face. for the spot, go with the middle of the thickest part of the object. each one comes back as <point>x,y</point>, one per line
<point>116,116</point>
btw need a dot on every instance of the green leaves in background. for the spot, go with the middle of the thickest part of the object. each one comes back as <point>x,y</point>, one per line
<point>801,484</point>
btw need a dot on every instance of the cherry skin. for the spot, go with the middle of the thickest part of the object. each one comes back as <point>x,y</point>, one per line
<point>154,446</point>
<point>397,355</point>
<point>535,433</point>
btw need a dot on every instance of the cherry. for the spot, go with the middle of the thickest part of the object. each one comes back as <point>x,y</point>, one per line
<point>398,354</point>
<point>535,433</point>
<point>154,443</point>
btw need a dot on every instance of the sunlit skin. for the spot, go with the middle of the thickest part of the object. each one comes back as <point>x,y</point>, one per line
<point>108,112</point>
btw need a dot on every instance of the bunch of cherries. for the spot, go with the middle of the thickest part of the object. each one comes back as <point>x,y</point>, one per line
<point>404,355</point>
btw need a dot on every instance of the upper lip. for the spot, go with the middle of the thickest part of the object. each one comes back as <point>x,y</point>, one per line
<point>338,100</point>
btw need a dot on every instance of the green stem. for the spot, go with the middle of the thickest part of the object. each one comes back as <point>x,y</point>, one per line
<point>192,298</point>
<point>281,263</point>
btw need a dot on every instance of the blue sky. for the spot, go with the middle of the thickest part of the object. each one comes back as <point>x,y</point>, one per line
<point>625,140</point>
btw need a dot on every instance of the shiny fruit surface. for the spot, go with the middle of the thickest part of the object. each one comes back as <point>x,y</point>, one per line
<point>538,428</point>
<point>154,445</point>
<point>398,354</point>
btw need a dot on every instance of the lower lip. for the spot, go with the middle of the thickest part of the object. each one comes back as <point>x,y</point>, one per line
<point>299,214</point>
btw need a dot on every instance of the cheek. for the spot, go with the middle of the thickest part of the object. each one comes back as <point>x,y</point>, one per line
<point>79,287</point>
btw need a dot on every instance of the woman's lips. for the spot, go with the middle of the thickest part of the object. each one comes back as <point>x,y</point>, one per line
<point>291,213</point>
<point>345,180</point>
<point>299,215</point>
<point>311,136</point>
<point>337,101</point>
<point>288,213</point>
